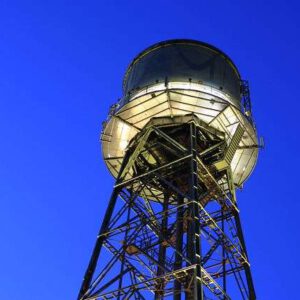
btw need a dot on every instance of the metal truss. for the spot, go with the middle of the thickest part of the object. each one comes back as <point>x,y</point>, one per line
<point>172,225</point>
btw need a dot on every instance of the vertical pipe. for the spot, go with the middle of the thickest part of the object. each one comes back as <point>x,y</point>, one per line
<point>179,239</point>
<point>223,254</point>
<point>159,294</point>
<point>193,237</point>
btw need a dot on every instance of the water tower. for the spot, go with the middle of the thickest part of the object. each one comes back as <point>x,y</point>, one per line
<point>179,143</point>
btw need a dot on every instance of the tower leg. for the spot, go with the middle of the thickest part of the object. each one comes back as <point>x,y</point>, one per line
<point>252,295</point>
<point>98,246</point>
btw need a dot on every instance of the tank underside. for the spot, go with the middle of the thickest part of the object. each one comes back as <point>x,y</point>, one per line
<point>169,105</point>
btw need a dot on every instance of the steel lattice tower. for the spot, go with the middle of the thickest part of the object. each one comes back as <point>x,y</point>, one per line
<point>179,143</point>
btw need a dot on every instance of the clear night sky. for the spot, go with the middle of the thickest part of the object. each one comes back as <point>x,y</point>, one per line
<point>61,67</point>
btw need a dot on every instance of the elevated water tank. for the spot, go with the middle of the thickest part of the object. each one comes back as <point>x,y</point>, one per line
<point>179,78</point>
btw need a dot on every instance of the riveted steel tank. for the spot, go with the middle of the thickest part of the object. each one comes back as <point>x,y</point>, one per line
<point>183,61</point>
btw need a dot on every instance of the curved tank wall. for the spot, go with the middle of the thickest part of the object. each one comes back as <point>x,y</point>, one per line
<point>183,61</point>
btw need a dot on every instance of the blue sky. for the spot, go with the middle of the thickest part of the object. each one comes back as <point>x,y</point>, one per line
<point>61,67</point>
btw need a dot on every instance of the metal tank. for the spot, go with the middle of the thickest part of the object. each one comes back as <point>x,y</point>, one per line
<point>176,78</point>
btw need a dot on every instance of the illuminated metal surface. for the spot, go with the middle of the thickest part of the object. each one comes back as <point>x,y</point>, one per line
<point>177,99</point>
